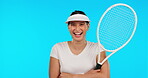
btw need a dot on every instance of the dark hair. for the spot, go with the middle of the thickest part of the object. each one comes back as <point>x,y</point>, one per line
<point>78,12</point>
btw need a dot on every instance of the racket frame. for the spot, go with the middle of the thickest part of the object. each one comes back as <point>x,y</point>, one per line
<point>114,51</point>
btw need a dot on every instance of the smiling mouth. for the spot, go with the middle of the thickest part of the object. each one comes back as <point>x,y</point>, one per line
<point>78,34</point>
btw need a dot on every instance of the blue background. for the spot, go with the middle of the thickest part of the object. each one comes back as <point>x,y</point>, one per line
<point>29,29</point>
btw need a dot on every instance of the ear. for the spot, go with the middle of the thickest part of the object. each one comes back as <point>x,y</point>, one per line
<point>68,27</point>
<point>88,26</point>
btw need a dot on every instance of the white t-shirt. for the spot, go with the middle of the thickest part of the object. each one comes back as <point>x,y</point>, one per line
<point>76,64</point>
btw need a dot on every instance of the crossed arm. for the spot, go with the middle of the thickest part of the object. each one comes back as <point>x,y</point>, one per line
<point>54,71</point>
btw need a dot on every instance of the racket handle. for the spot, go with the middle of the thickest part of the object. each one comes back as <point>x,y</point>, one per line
<point>98,66</point>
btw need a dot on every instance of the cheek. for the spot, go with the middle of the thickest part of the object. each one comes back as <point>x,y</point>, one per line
<point>85,29</point>
<point>71,29</point>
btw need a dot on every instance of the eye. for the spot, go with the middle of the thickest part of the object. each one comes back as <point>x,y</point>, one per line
<point>73,24</point>
<point>82,24</point>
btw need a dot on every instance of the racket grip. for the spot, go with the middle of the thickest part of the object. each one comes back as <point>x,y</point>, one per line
<point>98,66</point>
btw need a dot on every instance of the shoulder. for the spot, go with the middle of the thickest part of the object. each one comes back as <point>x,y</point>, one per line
<point>60,44</point>
<point>95,45</point>
<point>92,44</point>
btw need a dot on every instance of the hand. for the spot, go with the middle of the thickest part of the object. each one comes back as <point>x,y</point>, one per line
<point>65,75</point>
<point>93,74</point>
<point>93,71</point>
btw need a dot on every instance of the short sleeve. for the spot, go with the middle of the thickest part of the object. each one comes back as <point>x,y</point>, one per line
<point>99,48</point>
<point>54,52</point>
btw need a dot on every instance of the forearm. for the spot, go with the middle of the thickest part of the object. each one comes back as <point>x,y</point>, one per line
<point>86,75</point>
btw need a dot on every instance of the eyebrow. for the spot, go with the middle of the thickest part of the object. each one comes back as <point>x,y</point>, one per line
<point>82,22</point>
<point>74,22</point>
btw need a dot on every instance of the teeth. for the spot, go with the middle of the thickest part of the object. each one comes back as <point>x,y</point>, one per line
<point>77,33</point>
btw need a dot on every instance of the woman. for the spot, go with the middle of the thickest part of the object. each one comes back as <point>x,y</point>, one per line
<point>77,58</point>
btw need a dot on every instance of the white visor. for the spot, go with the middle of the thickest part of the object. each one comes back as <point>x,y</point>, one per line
<point>78,17</point>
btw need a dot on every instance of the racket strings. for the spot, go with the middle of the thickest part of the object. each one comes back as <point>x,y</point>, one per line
<point>123,29</point>
<point>115,38</point>
<point>117,33</point>
<point>128,11</point>
<point>115,22</point>
<point>123,14</point>
<point>116,27</point>
<point>123,9</point>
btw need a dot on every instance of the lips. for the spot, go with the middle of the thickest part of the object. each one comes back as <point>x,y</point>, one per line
<point>78,34</point>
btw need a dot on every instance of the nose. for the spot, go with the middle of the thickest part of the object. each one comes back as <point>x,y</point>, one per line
<point>77,27</point>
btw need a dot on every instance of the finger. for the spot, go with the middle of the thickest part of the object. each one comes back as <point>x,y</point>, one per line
<point>98,70</point>
<point>59,77</point>
<point>61,74</point>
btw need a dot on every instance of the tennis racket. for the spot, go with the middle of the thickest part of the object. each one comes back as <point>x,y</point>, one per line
<point>115,29</point>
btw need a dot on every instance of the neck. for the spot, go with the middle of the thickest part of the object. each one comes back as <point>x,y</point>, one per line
<point>78,44</point>
<point>74,42</point>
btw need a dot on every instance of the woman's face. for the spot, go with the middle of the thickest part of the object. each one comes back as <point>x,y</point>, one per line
<point>78,30</point>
